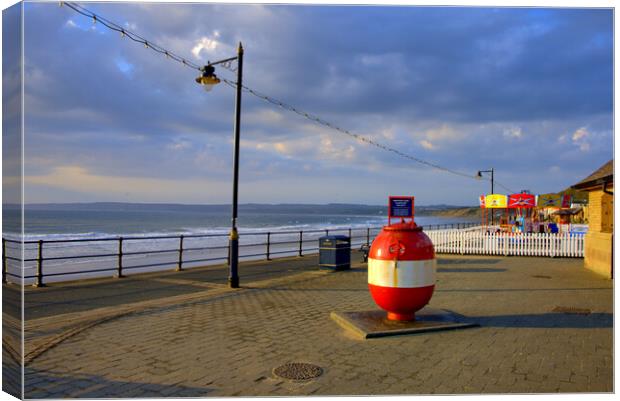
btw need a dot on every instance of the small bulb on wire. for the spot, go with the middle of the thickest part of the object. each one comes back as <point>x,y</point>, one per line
<point>146,44</point>
<point>122,33</point>
<point>61,3</point>
<point>94,19</point>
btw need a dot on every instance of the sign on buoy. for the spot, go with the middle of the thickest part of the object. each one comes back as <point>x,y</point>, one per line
<point>401,264</point>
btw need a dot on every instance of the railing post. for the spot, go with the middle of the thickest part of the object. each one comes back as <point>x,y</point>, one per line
<point>368,236</point>
<point>180,265</point>
<point>301,240</point>
<point>119,273</point>
<point>228,256</point>
<point>349,233</point>
<point>268,245</point>
<point>4,264</point>
<point>39,282</point>
<point>326,232</point>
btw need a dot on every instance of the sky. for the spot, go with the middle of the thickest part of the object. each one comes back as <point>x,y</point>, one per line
<point>525,91</point>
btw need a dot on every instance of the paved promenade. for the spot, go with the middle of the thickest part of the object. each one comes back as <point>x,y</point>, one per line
<point>545,326</point>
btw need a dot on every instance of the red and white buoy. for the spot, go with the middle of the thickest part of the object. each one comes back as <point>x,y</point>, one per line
<point>401,270</point>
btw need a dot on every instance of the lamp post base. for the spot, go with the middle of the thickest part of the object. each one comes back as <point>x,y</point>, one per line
<point>233,277</point>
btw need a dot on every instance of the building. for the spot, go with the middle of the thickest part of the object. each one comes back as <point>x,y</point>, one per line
<point>599,240</point>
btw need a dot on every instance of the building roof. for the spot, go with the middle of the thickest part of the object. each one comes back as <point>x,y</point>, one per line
<point>604,174</point>
<point>571,211</point>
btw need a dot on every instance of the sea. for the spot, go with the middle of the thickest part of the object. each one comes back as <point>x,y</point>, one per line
<point>150,226</point>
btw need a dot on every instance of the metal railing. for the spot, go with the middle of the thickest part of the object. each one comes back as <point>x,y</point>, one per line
<point>54,258</point>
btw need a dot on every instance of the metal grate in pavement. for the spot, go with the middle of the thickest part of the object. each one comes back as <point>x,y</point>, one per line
<point>298,371</point>
<point>571,310</point>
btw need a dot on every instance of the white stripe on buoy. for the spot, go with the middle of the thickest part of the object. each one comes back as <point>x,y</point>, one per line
<point>401,273</point>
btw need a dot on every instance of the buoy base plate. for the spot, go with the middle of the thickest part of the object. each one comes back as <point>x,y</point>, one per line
<point>374,323</point>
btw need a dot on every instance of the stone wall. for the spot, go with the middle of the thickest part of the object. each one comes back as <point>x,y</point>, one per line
<point>599,240</point>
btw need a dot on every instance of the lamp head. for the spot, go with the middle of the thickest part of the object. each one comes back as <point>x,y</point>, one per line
<point>208,79</point>
<point>479,175</point>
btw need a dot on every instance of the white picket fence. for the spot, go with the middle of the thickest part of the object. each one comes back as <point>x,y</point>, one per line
<point>479,242</point>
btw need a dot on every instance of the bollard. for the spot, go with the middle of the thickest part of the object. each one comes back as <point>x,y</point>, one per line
<point>268,245</point>
<point>301,239</point>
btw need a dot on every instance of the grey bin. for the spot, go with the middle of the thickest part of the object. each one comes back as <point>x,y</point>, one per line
<point>335,252</point>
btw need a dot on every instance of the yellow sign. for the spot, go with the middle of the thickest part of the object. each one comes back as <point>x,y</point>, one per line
<point>496,201</point>
<point>549,200</point>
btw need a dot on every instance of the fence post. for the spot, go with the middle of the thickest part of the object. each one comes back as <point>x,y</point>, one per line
<point>4,264</point>
<point>119,273</point>
<point>268,245</point>
<point>39,282</point>
<point>368,236</point>
<point>180,265</point>
<point>301,241</point>
<point>326,232</point>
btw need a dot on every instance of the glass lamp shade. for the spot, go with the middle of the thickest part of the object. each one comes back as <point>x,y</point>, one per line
<point>208,81</point>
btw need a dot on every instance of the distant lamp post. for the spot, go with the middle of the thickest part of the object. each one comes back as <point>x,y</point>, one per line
<point>479,176</point>
<point>208,80</point>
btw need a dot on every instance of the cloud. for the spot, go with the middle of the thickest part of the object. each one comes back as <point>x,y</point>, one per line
<point>513,133</point>
<point>433,137</point>
<point>427,145</point>
<point>581,134</point>
<point>209,45</point>
<point>78,180</point>
<point>386,73</point>
<point>179,145</point>
<point>581,138</point>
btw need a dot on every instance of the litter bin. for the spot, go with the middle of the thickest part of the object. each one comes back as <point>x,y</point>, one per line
<point>335,252</point>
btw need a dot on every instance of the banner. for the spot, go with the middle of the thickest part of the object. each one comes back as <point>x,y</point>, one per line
<point>549,200</point>
<point>566,201</point>
<point>521,201</point>
<point>495,201</point>
<point>481,200</point>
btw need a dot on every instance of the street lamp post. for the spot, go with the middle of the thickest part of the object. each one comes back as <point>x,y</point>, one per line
<point>208,79</point>
<point>479,175</point>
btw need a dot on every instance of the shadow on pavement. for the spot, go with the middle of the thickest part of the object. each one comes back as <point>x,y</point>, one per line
<point>520,289</point>
<point>44,385</point>
<point>545,320</point>
<point>467,261</point>
<point>470,270</point>
<point>11,374</point>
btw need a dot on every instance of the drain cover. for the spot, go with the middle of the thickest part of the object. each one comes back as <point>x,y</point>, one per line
<point>298,371</point>
<point>571,310</point>
<point>541,276</point>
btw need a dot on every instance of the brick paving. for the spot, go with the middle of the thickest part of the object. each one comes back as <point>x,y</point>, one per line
<point>227,342</point>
